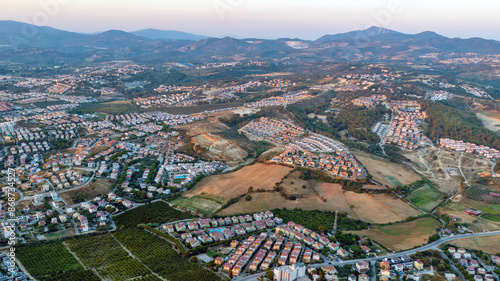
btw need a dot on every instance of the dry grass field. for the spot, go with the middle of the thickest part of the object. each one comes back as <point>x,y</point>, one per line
<point>98,187</point>
<point>398,206</point>
<point>369,210</point>
<point>264,201</point>
<point>402,236</point>
<point>227,186</point>
<point>385,172</point>
<point>488,244</point>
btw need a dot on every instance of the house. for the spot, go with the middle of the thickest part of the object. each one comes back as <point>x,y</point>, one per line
<point>450,276</point>
<point>419,265</point>
<point>363,277</point>
<point>362,266</point>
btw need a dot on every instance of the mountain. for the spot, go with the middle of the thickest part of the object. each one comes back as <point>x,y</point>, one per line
<point>168,35</point>
<point>22,42</point>
<point>358,34</point>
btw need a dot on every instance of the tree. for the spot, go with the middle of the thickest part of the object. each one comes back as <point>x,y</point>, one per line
<point>248,198</point>
<point>250,189</point>
<point>269,274</point>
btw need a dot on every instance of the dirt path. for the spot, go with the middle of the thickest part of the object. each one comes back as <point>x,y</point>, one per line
<point>132,255</point>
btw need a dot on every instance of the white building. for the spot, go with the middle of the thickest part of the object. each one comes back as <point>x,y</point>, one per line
<point>289,272</point>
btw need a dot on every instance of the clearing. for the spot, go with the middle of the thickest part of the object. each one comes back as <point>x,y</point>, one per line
<point>93,189</point>
<point>402,236</point>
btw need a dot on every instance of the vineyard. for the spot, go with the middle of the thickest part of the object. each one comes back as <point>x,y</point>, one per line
<point>481,194</point>
<point>53,262</point>
<point>158,255</point>
<point>107,256</point>
<point>157,212</point>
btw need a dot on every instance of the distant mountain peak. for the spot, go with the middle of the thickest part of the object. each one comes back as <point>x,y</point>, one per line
<point>168,35</point>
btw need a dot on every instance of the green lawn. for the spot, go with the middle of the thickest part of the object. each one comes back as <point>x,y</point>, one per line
<point>426,198</point>
<point>491,218</point>
<point>395,182</point>
<point>204,203</point>
<point>407,228</point>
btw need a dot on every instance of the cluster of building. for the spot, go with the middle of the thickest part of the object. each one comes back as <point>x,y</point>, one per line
<point>369,101</point>
<point>284,131</point>
<point>470,148</point>
<point>476,92</point>
<point>473,266</point>
<point>404,129</point>
<point>283,100</point>
<point>320,152</point>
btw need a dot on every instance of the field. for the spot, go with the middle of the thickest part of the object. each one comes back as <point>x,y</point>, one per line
<point>386,173</point>
<point>204,203</point>
<point>377,208</point>
<point>382,209</point>
<point>478,224</point>
<point>157,254</point>
<point>426,198</point>
<point>402,236</point>
<point>227,186</point>
<point>112,107</point>
<point>52,262</point>
<point>480,194</point>
<point>107,256</point>
<point>93,189</point>
<point>157,212</point>
<point>487,244</point>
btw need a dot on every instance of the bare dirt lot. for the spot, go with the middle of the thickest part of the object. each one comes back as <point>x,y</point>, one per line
<point>445,168</point>
<point>402,236</point>
<point>98,187</point>
<point>227,186</point>
<point>385,172</point>
<point>210,125</point>
<point>220,149</point>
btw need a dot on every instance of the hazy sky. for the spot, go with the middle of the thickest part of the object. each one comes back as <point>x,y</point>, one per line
<point>262,18</point>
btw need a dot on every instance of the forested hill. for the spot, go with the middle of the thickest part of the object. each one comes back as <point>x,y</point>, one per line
<point>448,122</point>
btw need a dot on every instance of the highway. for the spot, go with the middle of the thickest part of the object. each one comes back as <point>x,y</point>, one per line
<point>431,246</point>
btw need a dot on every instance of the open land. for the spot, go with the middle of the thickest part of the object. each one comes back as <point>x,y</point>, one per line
<point>402,236</point>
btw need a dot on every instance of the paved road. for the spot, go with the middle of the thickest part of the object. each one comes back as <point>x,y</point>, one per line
<point>430,246</point>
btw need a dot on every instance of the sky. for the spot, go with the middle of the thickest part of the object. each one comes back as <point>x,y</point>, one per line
<point>305,19</point>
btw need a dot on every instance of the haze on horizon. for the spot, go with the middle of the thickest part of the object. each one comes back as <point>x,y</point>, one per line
<point>263,19</point>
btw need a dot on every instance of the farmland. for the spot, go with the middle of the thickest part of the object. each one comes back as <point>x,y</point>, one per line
<point>382,209</point>
<point>478,224</point>
<point>158,255</point>
<point>157,212</point>
<point>480,194</point>
<point>52,262</point>
<point>426,198</point>
<point>227,186</point>
<point>107,256</point>
<point>385,172</point>
<point>402,236</point>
